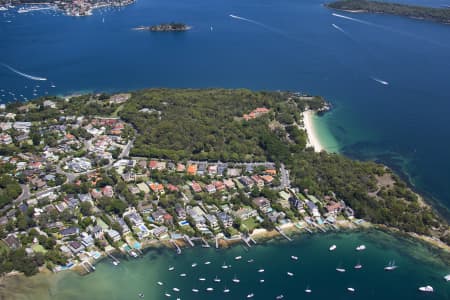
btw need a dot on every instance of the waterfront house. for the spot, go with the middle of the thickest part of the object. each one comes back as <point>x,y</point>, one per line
<point>87,240</point>
<point>160,232</point>
<point>212,221</point>
<point>69,231</point>
<point>114,235</point>
<point>76,247</point>
<point>263,204</point>
<point>181,212</point>
<point>313,209</point>
<point>158,216</point>
<point>226,219</point>
<point>245,213</point>
<point>334,207</point>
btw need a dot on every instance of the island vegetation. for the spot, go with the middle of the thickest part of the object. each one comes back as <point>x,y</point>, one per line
<point>165,27</point>
<point>441,15</point>
<point>100,172</point>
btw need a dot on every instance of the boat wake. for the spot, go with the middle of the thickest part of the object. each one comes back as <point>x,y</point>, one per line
<point>339,28</point>
<point>23,74</point>
<point>380,81</point>
<point>259,24</point>
<point>354,19</point>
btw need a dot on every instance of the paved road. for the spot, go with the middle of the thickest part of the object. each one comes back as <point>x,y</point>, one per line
<point>285,182</point>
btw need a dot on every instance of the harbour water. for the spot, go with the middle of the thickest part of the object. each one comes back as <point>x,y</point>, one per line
<point>314,269</point>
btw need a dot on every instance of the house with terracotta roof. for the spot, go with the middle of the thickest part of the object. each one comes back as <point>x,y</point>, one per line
<point>267,179</point>
<point>229,183</point>
<point>196,187</point>
<point>152,165</point>
<point>192,169</point>
<point>181,167</point>
<point>156,187</point>
<point>220,186</point>
<point>272,172</point>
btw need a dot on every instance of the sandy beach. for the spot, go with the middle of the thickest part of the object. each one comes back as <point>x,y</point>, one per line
<point>313,140</point>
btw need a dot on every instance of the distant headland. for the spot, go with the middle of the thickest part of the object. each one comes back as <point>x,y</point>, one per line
<point>165,27</point>
<point>441,15</point>
<point>70,8</point>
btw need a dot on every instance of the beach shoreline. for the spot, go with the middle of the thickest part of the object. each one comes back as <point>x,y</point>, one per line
<point>313,138</point>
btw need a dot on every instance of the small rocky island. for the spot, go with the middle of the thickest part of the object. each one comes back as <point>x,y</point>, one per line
<point>165,27</point>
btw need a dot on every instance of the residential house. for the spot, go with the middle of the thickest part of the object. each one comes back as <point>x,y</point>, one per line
<point>196,187</point>
<point>226,219</point>
<point>114,235</point>
<point>263,204</point>
<point>12,242</point>
<point>69,231</point>
<point>245,213</point>
<point>210,188</point>
<point>76,247</point>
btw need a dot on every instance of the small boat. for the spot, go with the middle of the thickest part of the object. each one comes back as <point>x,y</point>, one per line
<point>290,274</point>
<point>308,290</point>
<point>391,266</point>
<point>195,290</point>
<point>426,289</point>
<point>358,266</point>
<point>210,289</point>
<point>176,289</point>
<point>350,289</point>
<point>226,290</point>
<point>260,270</point>
<point>341,270</point>
<point>235,279</point>
<point>261,280</point>
<point>167,295</point>
<point>171,268</point>
<point>279,297</point>
<point>251,295</point>
<point>141,295</point>
<point>217,279</point>
<point>361,248</point>
<point>250,260</point>
<point>293,257</point>
<point>194,265</point>
<point>202,279</point>
<point>115,263</point>
<point>224,266</point>
<point>53,86</point>
<point>447,277</point>
<point>160,283</point>
<point>332,247</point>
<point>238,258</point>
<point>207,262</point>
<point>183,275</point>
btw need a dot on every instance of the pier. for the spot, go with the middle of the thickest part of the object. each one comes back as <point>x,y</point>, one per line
<point>245,240</point>
<point>113,258</point>
<point>176,246</point>
<point>188,240</point>
<point>283,234</point>
<point>205,243</point>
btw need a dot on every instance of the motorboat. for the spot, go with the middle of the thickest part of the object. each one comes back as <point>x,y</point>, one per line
<point>391,266</point>
<point>332,247</point>
<point>171,268</point>
<point>350,289</point>
<point>426,289</point>
<point>160,283</point>
<point>195,290</point>
<point>238,258</point>
<point>293,257</point>
<point>290,274</point>
<point>251,295</point>
<point>361,248</point>
<point>260,270</point>
<point>341,270</point>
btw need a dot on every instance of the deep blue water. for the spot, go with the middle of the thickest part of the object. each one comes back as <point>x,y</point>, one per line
<point>290,45</point>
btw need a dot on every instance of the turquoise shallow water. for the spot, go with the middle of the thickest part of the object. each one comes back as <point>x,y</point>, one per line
<point>314,269</point>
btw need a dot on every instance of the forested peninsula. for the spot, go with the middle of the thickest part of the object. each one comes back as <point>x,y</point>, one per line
<point>98,172</point>
<point>441,15</point>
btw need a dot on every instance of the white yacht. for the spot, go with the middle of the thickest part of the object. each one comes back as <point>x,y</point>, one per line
<point>279,297</point>
<point>358,266</point>
<point>290,274</point>
<point>194,265</point>
<point>426,289</point>
<point>171,268</point>
<point>447,277</point>
<point>202,279</point>
<point>115,263</point>
<point>160,283</point>
<point>195,290</point>
<point>176,289</point>
<point>391,266</point>
<point>224,266</point>
<point>293,257</point>
<point>350,289</point>
<point>207,262</point>
<point>361,248</point>
<point>250,295</point>
<point>332,247</point>
<point>210,289</point>
<point>260,270</point>
<point>261,280</point>
<point>217,279</point>
<point>183,275</point>
<point>238,257</point>
<point>235,279</point>
<point>226,290</point>
<point>308,290</point>
<point>341,270</point>
<point>250,260</point>
<point>167,295</point>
